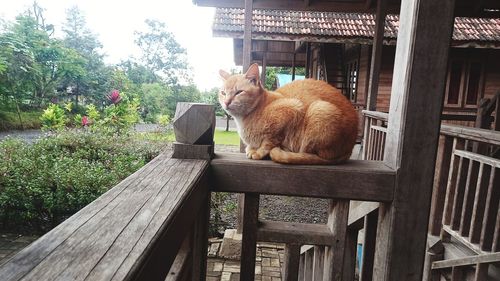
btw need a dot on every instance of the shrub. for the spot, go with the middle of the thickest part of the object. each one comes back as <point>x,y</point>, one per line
<point>53,118</point>
<point>43,183</point>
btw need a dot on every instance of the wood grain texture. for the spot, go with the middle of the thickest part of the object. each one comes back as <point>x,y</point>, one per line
<point>484,258</point>
<point>194,123</point>
<point>319,261</point>
<point>376,57</point>
<point>193,151</point>
<point>334,255</point>
<point>249,238</point>
<point>416,102</point>
<point>474,134</point>
<point>115,236</point>
<point>370,227</point>
<point>291,262</point>
<point>297,233</point>
<point>357,180</point>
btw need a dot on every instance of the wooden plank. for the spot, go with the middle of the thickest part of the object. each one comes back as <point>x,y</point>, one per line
<point>376,57</point>
<point>416,102</point>
<point>463,240</point>
<point>471,260</point>
<point>200,241</point>
<point>28,258</point>
<point>479,203</point>
<point>291,262</point>
<point>452,185</point>
<point>435,252</point>
<point>308,265</point>
<point>356,179</point>
<point>247,35</point>
<point>473,134</point>
<point>319,261</point>
<point>294,233</point>
<point>334,255</point>
<point>180,264</point>
<point>458,200</point>
<point>104,243</point>
<point>478,157</point>
<point>470,191</point>
<point>376,115</point>
<point>439,191</point>
<point>249,239</point>
<point>370,228</point>
<point>359,212</point>
<point>349,270</point>
<point>366,135</point>
<point>491,211</point>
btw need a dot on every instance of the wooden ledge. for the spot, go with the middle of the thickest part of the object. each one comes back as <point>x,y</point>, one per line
<point>299,233</point>
<point>354,180</point>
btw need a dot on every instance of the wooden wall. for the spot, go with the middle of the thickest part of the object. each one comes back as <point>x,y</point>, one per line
<point>492,73</point>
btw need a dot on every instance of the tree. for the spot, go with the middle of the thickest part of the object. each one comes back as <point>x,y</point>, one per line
<point>78,37</point>
<point>162,54</point>
<point>212,97</point>
<point>154,101</point>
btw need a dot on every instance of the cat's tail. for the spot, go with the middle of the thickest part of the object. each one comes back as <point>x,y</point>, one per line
<point>300,158</point>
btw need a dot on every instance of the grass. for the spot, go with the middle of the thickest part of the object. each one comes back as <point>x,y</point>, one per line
<point>221,137</point>
<point>227,138</point>
<point>10,121</point>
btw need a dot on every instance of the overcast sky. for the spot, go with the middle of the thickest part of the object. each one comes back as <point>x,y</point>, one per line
<point>115,21</point>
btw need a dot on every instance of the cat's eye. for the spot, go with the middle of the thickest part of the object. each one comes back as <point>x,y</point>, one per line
<point>238,92</point>
<point>223,93</point>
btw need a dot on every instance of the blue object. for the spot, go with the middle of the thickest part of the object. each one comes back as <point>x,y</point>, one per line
<point>284,79</point>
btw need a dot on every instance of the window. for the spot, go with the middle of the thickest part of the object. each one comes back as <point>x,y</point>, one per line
<point>464,84</point>
<point>352,70</point>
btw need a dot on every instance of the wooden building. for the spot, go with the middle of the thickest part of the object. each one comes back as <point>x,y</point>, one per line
<point>337,47</point>
<point>419,224</point>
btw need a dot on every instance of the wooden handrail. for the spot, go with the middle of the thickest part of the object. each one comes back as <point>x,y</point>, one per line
<point>474,134</point>
<point>472,260</point>
<point>376,114</point>
<point>355,180</point>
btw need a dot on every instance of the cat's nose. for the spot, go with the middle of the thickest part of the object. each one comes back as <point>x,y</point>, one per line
<point>227,102</point>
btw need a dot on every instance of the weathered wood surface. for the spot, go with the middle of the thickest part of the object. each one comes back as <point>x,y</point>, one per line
<point>132,232</point>
<point>334,255</point>
<point>297,233</point>
<point>356,180</point>
<point>376,115</point>
<point>193,151</point>
<point>249,238</point>
<point>416,101</point>
<point>291,262</point>
<point>473,134</point>
<point>483,258</point>
<point>194,123</point>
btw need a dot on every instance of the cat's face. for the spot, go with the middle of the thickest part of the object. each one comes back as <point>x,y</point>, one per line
<point>240,94</point>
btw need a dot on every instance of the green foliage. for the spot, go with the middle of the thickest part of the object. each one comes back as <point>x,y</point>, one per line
<point>53,118</point>
<point>154,101</point>
<point>120,117</point>
<point>163,120</point>
<point>45,182</point>
<point>9,120</point>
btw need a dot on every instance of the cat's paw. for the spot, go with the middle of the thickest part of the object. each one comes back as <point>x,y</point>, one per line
<point>259,154</point>
<point>250,152</point>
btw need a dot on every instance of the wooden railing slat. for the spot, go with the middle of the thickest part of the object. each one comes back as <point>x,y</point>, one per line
<point>471,260</point>
<point>458,200</point>
<point>470,191</point>
<point>478,157</point>
<point>318,262</point>
<point>481,272</point>
<point>370,228</point>
<point>473,134</point>
<point>309,265</point>
<point>479,203</point>
<point>491,211</point>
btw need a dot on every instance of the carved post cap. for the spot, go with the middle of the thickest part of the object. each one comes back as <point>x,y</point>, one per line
<point>194,127</point>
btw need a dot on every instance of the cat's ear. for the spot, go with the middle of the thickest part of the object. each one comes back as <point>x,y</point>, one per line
<point>252,74</point>
<point>223,74</point>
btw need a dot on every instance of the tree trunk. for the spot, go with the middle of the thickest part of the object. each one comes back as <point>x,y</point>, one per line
<point>19,114</point>
<point>227,122</point>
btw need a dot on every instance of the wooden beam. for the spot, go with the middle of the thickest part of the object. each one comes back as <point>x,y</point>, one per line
<point>249,238</point>
<point>291,262</point>
<point>247,35</point>
<point>298,233</point>
<point>335,255</point>
<point>356,180</point>
<point>484,258</point>
<point>472,134</point>
<point>376,61</point>
<point>413,128</point>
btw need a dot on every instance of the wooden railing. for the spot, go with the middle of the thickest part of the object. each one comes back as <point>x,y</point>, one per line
<point>465,203</point>
<point>375,133</point>
<point>153,225</point>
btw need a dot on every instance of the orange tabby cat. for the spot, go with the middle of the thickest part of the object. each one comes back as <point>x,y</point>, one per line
<point>304,122</point>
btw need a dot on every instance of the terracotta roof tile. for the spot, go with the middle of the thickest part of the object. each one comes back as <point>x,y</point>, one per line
<point>326,24</point>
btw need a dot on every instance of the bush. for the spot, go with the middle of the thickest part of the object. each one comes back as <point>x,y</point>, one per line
<point>43,183</point>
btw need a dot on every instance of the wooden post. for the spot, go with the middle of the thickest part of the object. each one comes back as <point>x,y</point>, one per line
<point>378,40</point>
<point>263,75</point>
<point>334,255</point>
<point>293,65</point>
<point>247,35</point>
<point>370,227</point>
<point>291,264</point>
<point>413,128</point>
<point>249,238</point>
<point>194,127</point>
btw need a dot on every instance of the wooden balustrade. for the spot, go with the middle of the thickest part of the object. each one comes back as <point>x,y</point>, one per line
<point>465,203</point>
<point>375,133</point>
